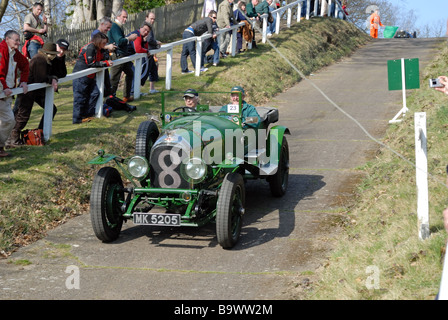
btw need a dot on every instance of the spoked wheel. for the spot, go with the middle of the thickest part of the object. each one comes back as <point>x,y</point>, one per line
<point>106,199</point>
<point>147,134</point>
<point>229,210</point>
<point>278,183</point>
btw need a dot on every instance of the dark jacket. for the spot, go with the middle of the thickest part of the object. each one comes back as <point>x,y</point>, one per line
<point>116,35</point>
<point>91,57</point>
<point>202,26</point>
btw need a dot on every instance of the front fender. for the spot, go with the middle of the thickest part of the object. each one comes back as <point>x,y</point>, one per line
<point>102,158</point>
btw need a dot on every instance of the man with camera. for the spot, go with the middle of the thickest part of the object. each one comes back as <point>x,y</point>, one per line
<point>34,28</point>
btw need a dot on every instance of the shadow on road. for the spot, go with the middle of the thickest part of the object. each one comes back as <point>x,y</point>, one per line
<point>266,218</point>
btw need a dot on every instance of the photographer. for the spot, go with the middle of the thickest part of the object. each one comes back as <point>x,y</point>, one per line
<point>34,28</point>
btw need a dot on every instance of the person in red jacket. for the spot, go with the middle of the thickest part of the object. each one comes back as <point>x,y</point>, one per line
<point>375,23</point>
<point>10,60</point>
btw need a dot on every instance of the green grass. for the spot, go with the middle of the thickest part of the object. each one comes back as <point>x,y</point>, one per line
<point>42,187</point>
<point>383,218</point>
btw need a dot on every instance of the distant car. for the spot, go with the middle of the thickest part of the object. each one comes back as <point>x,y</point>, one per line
<point>405,34</point>
<point>192,172</point>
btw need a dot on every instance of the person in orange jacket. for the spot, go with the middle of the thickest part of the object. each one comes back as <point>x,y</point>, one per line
<point>375,23</point>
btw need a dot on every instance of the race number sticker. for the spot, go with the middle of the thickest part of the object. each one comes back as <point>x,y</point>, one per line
<point>233,108</point>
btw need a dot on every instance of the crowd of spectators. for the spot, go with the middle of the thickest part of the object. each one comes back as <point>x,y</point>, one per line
<point>42,61</point>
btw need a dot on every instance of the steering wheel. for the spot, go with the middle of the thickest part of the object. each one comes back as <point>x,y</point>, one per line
<point>185,109</point>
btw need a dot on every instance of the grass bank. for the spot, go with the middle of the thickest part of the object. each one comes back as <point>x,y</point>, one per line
<point>380,255</point>
<point>42,187</point>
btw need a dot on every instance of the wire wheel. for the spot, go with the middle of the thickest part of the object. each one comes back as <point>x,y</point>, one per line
<point>106,199</point>
<point>229,210</point>
<point>278,183</point>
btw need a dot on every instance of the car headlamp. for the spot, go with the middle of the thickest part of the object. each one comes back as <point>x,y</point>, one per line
<point>138,167</point>
<point>194,170</point>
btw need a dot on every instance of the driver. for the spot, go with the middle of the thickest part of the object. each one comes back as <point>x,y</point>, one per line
<point>248,110</point>
<point>191,98</point>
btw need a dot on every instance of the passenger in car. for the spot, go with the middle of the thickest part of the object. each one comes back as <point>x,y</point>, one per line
<point>248,110</point>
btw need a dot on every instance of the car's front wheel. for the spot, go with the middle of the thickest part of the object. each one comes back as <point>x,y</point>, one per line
<point>278,183</point>
<point>106,199</point>
<point>147,135</point>
<point>229,210</point>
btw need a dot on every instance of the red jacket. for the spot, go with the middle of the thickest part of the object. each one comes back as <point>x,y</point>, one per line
<point>22,64</point>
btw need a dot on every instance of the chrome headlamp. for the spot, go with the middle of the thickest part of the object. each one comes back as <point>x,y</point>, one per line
<point>138,167</point>
<point>194,170</point>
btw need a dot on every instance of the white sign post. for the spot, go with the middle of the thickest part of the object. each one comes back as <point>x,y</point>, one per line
<point>421,162</point>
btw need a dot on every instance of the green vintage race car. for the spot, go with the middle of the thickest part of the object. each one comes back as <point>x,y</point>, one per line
<point>191,171</point>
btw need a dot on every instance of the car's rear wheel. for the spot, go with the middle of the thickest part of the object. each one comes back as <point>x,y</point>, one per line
<point>278,183</point>
<point>106,199</point>
<point>147,134</point>
<point>229,210</point>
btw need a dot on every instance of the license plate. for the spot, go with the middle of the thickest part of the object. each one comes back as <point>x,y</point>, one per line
<point>157,219</point>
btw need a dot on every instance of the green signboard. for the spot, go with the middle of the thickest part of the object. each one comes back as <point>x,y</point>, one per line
<point>412,77</point>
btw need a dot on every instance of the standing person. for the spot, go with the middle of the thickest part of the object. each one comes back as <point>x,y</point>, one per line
<point>195,30</point>
<point>85,91</point>
<point>253,15</point>
<point>240,15</point>
<point>34,28</point>
<point>40,71</point>
<point>375,23</point>
<point>271,25</point>
<point>224,20</point>
<point>58,66</point>
<point>117,37</point>
<point>10,60</point>
<point>104,26</point>
<point>208,6</point>
<point>140,45</point>
<point>152,44</point>
<point>211,44</point>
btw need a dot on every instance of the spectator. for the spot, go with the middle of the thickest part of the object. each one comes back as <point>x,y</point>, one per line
<point>41,71</point>
<point>116,36</point>
<point>344,8</point>
<point>271,25</point>
<point>152,62</point>
<point>189,49</point>
<point>34,28</point>
<point>140,45</point>
<point>85,91</point>
<point>58,66</point>
<point>240,15</point>
<point>211,44</point>
<point>248,110</point>
<point>10,60</point>
<point>104,26</point>
<point>253,15</point>
<point>224,20</point>
<point>208,6</point>
<point>375,23</point>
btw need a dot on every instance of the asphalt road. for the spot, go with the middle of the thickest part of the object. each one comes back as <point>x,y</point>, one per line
<point>282,240</point>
